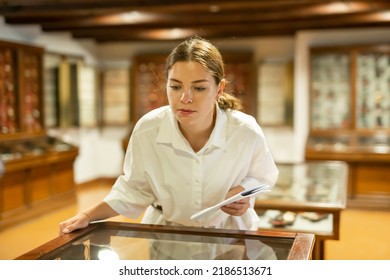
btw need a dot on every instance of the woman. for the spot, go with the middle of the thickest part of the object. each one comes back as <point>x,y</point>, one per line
<point>191,154</point>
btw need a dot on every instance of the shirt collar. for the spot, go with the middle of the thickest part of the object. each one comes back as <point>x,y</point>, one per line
<point>170,133</point>
<point>218,135</point>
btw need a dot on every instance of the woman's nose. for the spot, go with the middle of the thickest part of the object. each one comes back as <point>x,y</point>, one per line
<point>186,97</point>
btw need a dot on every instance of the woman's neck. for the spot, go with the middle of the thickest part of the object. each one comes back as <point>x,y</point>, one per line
<point>198,135</point>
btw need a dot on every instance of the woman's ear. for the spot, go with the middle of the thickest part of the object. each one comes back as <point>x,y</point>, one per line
<point>221,87</point>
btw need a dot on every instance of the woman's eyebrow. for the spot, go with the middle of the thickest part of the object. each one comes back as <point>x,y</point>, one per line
<point>200,81</point>
<point>193,82</point>
<point>174,80</point>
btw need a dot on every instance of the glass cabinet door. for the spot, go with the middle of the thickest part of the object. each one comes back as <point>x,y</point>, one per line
<point>373,90</point>
<point>20,89</point>
<point>31,91</point>
<point>8,96</point>
<point>330,91</point>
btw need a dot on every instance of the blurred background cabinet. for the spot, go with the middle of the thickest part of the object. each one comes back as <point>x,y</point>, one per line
<point>21,108</point>
<point>38,169</point>
<point>350,118</point>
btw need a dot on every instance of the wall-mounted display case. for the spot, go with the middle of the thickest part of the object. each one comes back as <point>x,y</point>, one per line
<point>21,79</point>
<point>148,84</point>
<point>350,117</point>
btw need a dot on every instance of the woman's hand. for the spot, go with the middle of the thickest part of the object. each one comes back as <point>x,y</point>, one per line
<point>239,207</point>
<point>79,221</point>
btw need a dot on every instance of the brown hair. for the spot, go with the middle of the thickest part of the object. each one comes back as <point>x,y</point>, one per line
<point>202,51</point>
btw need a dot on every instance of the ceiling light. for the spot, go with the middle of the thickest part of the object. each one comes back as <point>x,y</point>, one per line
<point>214,8</point>
<point>135,16</point>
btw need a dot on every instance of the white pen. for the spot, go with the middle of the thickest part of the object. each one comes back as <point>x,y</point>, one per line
<point>246,193</point>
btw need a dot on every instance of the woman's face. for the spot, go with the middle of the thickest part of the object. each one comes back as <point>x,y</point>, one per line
<point>192,93</point>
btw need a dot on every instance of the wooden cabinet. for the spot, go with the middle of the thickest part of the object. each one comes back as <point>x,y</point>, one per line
<point>350,117</point>
<point>38,169</point>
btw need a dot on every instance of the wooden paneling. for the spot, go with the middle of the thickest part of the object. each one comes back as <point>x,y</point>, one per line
<point>62,176</point>
<point>372,178</point>
<point>12,190</point>
<point>39,183</point>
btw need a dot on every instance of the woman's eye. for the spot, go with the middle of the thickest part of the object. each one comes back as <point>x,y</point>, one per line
<point>174,87</point>
<point>199,89</point>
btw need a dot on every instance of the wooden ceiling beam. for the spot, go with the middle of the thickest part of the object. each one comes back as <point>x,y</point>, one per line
<point>113,20</point>
<point>56,9</point>
<point>225,30</point>
<point>188,19</point>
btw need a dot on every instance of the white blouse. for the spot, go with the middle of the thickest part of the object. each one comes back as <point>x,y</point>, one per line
<point>160,168</point>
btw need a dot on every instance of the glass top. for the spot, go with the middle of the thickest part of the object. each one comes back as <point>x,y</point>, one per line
<point>310,185</point>
<point>126,241</point>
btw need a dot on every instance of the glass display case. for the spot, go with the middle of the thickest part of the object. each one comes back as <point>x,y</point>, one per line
<point>307,197</point>
<point>350,117</point>
<point>12,150</point>
<point>129,241</point>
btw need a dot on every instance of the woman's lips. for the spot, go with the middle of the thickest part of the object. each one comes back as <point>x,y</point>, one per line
<point>186,112</point>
